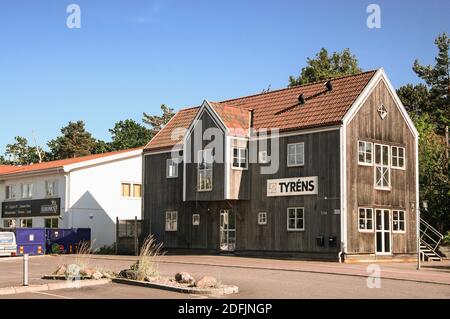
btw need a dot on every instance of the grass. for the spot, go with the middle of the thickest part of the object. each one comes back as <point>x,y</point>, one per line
<point>147,265</point>
<point>84,254</point>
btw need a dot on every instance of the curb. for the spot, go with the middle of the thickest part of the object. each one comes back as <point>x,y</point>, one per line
<point>227,290</point>
<point>52,286</point>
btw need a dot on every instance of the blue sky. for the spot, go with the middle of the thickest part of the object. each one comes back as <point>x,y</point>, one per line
<point>131,56</point>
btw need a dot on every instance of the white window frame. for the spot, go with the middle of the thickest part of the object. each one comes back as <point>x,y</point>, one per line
<point>398,157</point>
<point>365,152</point>
<point>12,223</point>
<point>171,168</point>
<point>382,166</point>
<point>10,192</point>
<point>171,221</point>
<point>196,220</point>
<point>302,161</point>
<point>399,220</point>
<point>263,157</point>
<point>296,218</point>
<point>54,187</point>
<point>240,158</point>
<point>365,219</point>
<point>262,218</point>
<point>206,170</point>
<point>25,219</point>
<point>30,189</point>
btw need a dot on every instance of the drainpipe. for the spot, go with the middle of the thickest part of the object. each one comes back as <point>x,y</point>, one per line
<point>67,200</point>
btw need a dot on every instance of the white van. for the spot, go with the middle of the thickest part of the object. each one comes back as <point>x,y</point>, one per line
<point>8,245</point>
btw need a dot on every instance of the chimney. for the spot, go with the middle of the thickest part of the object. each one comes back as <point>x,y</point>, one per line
<point>329,86</point>
<point>301,99</point>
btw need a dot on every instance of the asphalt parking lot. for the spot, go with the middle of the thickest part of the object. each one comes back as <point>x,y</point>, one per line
<point>257,278</point>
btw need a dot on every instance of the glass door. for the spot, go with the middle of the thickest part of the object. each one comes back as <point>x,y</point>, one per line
<point>227,230</point>
<point>383,231</point>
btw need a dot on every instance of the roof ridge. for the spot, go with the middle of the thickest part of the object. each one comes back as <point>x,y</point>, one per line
<point>301,85</point>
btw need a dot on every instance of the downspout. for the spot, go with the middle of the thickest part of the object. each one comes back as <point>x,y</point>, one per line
<point>342,158</point>
<point>67,200</point>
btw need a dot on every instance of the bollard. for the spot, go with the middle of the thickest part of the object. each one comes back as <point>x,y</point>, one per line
<point>25,269</point>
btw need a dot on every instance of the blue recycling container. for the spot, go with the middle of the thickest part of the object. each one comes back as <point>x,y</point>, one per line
<point>66,241</point>
<point>30,241</point>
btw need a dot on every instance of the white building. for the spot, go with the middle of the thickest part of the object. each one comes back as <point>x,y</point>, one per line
<point>85,192</point>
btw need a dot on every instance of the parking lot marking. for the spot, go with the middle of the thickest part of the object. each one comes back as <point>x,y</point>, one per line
<point>53,295</point>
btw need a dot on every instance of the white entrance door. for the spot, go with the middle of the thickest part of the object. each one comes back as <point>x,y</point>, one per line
<point>383,232</point>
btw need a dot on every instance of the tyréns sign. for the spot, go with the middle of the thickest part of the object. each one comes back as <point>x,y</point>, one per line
<point>296,186</point>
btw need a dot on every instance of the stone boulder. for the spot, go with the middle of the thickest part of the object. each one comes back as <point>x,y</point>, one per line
<point>88,272</point>
<point>128,274</point>
<point>185,278</point>
<point>207,282</point>
<point>61,271</point>
<point>97,275</point>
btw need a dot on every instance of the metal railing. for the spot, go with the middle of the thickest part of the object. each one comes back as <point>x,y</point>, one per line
<point>429,236</point>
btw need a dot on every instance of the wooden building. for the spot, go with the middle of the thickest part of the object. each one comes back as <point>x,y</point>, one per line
<point>343,185</point>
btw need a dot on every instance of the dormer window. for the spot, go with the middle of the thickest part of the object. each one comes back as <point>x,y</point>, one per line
<point>239,158</point>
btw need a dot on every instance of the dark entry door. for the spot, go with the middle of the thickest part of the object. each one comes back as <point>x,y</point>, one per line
<point>383,231</point>
<point>227,230</point>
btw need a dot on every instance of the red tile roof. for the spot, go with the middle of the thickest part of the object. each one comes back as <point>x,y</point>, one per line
<point>57,164</point>
<point>5,168</point>
<point>279,109</point>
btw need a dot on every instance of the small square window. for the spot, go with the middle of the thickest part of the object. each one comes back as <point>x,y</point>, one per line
<point>398,221</point>
<point>171,221</point>
<point>262,218</point>
<point>196,219</point>
<point>172,168</point>
<point>263,157</point>
<point>295,154</point>
<point>365,219</point>
<point>295,219</point>
<point>365,153</point>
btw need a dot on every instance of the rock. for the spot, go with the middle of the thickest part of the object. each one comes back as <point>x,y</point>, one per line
<point>207,282</point>
<point>73,270</point>
<point>151,279</point>
<point>128,274</point>
<point>61,271</point>
<point>88,272</point>
<point>106,275</point>
<point>184,278</point>
<point>97,275</point>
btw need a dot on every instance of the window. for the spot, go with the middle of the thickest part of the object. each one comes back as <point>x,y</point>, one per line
<point>205,170</point>
<point>398,157</point>
<point>398,221</point>
<point>296,220</point>
<point>172,168</point>
<point>382,169</point>
<point>263,157</point>
<point>196,219</point>
<point>296,154</point>
<point>27,190</point>
<point>130,190</point>
<point>262,218</point>
<point>10,192</point>
<point>9,223</point>
<point>382,112</point>
<point>51,222</point>
<point>171,221</point>
<point>26,223</point>
<point>365,219</point>
<point>51,188</point>
<point>239,158</point>
<point>365,153</point>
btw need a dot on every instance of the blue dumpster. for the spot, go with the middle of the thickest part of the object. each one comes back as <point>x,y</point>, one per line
<point>30,241</point>
<point>66,241</point>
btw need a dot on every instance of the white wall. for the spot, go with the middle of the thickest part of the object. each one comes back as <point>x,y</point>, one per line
<point>96,201</point>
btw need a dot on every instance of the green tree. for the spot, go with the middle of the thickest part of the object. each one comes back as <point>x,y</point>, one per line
<point>20,153</point>
<point>415,98</point>
<point>434,177</point>
<point>75,141</point>
<point>324,67</point>
<point>157,122</point>
<point>101,147</point>
<point>129,134</point>
<point>437,78</point>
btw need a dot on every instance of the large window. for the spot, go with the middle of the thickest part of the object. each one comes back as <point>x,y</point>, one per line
<point>172,168</point>
<point>26,223</point>
<point>398,221</point>
<point>27,190</point>
<point>365,219</point>
<point>10,192</point>
<point>296,219</point>
<point>205,170</point>
<point>51,222</point>
<point>51,188</point>
<point>398,157</point>
<point>171,221</point>
<point>365,154</point>
<point>296,154</point>
<point>9,223</point>
<point>382,167</point>
<point>131,190</point>
<point>239,158</point>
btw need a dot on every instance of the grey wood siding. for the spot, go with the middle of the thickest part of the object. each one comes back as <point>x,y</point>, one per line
<point>392,130</point>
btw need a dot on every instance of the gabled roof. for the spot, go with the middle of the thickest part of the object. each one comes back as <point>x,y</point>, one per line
<point>63,164</point>
<point>5,168</point>
<point>278,109</point>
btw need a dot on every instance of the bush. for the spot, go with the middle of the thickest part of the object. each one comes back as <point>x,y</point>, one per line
<point>446,240</point>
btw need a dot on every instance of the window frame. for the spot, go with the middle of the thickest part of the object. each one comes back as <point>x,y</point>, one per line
<point>295,154</point>
<point>263,157</point>
<point>30,187</point>
<point>26,220</point>
<point>400,221</point>
<point>382,166</point>
<point>398,157</point>
<point>9,190</point>
<point>132,190</point>
<point>365,152</point>
<point>169,220</point>
<point>207,169</point>
<point>262,218</point>
<point>195,219</point>
<point>239,158</point>
<point>289,229</point>
<point>171,163</point>
<point>54,184</point>
<point>366,230</point>
<point>51,219</point>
